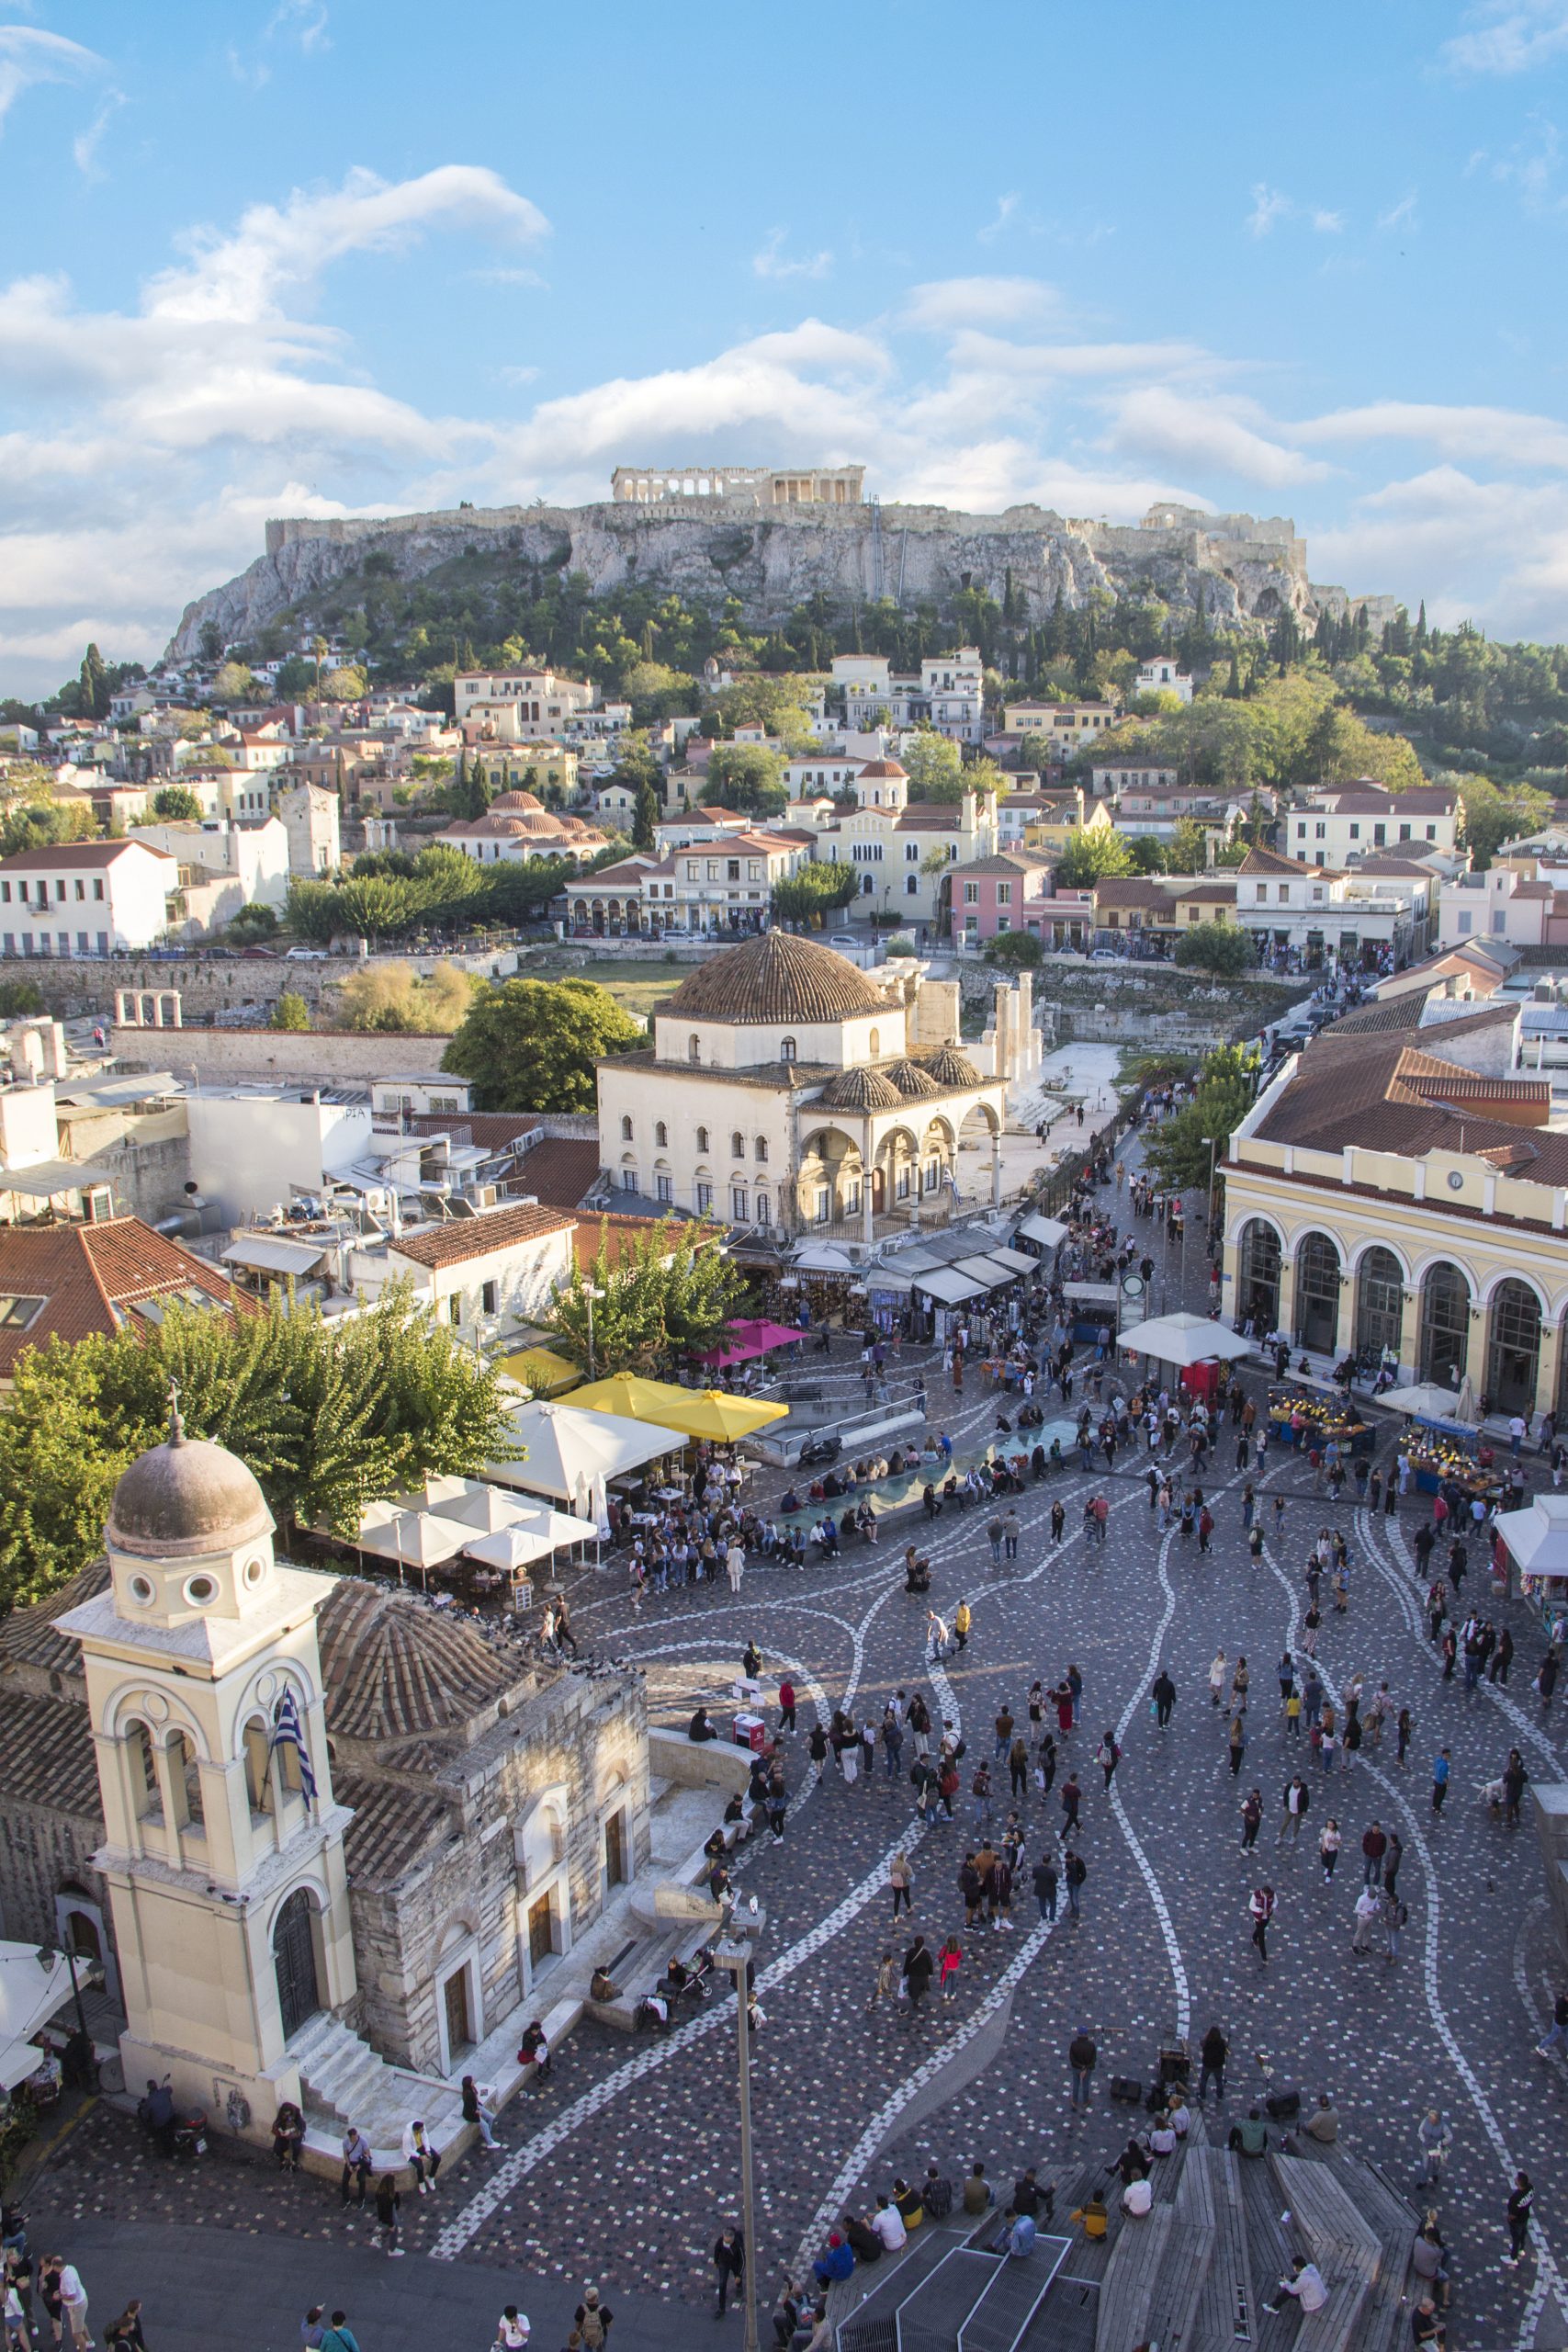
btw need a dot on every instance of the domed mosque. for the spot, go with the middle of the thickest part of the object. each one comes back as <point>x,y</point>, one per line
<point>322,1839</point>
<point>787,1088</point>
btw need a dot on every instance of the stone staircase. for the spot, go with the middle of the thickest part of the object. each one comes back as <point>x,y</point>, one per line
<point>343,2081</point>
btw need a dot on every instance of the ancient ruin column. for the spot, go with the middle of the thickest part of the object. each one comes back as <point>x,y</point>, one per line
<point>997,1170</point>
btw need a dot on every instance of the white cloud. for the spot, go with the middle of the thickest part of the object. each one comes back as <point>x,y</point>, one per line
<point>1508,36</point>
<point>1209,435</point>
<point>1268,207</point>
<point>1502,436</point>
<point>1401,215</point>
<point>84,146</point>
<point>1007,207</point>
<point>772,261</point>
<point>28,56</point>
<point>304,21</point>
<point>946,302</point>
<point>1329,224</point>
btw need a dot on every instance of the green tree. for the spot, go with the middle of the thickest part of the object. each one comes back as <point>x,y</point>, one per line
<point>1092,857</point>
<point>1036,752</point>
<point>175,804</point>
<point>1221,948</point>
<point>934,766</point>
<point>19,999</point>
<point>1189,849</point>
<point>1149,856</point>
<point>328,1417</point>
<point>1493,814</point>
<point>93,684</point>
<point>533,1045</point>
<point>814,891</point>
<point>1182,1150</point>
<point>667,1295</point>
<point>46,827</point>
<point>290,1011</point>
<point>253,923</point>
<point>746,776</point>
<point>234,682</point>
<point>347,682</point>
<point>1020,949</point>
<point>645,816</point>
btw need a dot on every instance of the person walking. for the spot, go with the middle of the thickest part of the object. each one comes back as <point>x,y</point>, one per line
<point>1261,1907</point>
<point>1374,1846</point>
<point>1217,1672</point>
<point>340,2337</point>
<point>1044,1881</point>
<point>1297,1805</point>
<point>1083,2056</point>
<point>1441,1769</point>
<point>962,1622</point>
<point>1164,1697</point>
<point>1521,2199</point>
<point>949,1960</point>
<point>72,2297</point>
<point>1328,1847</point>
<point>1236,1744</point>
<point>1107,1755</point>
<point>884,1984</point>
<point>1252,1818</point>
<point>1213,2052</point>
<point>1072,1797</point>
<point>915,1974</point>
<point>728,2260</point>
<point>1434,2137</point>
<point>901,1879</point>
<point>1075,1869</point>
<point>387,2201</point>
<point>1556,2034</point>
<point>735,1563</point>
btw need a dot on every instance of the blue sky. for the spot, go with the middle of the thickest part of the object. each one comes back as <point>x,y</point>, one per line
<point>349,255</point>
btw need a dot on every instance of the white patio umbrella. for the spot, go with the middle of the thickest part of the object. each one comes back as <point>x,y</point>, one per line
<point>414,1539</point>
<point>29,1995</point>
<point>1466,1408</point>
<point>1423,1401</point>
<point>1184,1339</point>
<point>510,1548</point>
<point>484,1507</point>
<point>570,1454</point>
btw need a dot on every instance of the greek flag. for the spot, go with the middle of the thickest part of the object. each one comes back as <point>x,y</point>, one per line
<point>288,1732</point>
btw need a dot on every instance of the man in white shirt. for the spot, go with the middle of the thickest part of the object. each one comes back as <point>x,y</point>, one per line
<point>888,2224</point>
<point>1306,2283</point>
<point>72,2301</point>
<point>1137,2199</point>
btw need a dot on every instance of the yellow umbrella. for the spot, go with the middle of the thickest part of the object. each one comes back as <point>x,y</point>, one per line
<point>541,1370</point>
<point>697,1412</point>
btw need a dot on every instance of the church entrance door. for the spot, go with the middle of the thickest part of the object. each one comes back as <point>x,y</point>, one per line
<point>294,1957</point>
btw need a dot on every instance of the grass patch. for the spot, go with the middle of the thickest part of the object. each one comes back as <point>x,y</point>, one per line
<point>637,987</point>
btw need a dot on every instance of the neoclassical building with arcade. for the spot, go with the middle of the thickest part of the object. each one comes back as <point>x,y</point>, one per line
<point>1399,1187</point>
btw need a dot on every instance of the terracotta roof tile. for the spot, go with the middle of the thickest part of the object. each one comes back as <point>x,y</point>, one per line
<point>479,1237</point>
<point>83,1273</point>
<point>393,1827</point>
<point>776,976</point>
<point>70,853</point>
<point>394,1670</point>
<point>46,1756</point>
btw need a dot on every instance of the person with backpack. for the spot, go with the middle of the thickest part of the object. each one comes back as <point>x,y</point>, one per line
<point>1107,1755</point>
<point>592,2319</point>
<point>1074,1871</point>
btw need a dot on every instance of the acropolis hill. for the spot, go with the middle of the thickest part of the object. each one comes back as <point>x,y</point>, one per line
<point>775,556</point>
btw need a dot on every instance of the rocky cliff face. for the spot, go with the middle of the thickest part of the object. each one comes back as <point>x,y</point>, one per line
<point>773,560</point>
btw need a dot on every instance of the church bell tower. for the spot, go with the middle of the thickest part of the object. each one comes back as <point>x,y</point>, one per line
<point>223,1846</point>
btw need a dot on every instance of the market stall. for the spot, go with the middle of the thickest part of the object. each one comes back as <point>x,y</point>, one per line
<point>1312,1418</point>
<point>1536,1540</point>
<point>1194,1346</point>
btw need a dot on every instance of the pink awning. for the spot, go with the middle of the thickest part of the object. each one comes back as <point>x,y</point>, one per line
<point>752,1337</point>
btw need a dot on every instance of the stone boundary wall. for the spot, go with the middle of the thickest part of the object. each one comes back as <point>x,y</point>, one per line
<point>288,1057</point>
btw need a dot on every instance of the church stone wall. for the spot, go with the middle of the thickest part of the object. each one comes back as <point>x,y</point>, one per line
<point>40,1850</point>
<point>578,1734</point>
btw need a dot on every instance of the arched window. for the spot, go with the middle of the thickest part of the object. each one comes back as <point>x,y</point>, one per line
<point>1317,1294</point>
<point>876,1043</point>
<point>702,1139</point>
<point>661,1135</point>
<point>1445,1325</point>
<point>1258,1275</point>
<point>626,1130</point>
<point>1512,1354</point>
<point>146,1797</point>
<point>761,1147</point>
<point>694,1047</point>
<point>764,1214</point>
<point>258,1774</point>
<point>1379,1302</point>
<point>737,1146</point>
<point>184,1775</point>
<point>786,1050</point>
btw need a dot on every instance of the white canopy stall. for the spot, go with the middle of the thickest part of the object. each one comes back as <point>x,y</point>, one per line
<point>573,1455</point>
<point>1183,1340</point>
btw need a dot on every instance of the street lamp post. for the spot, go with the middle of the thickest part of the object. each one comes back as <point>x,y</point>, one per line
<point>733,1951</point>
<point>590,1294</point>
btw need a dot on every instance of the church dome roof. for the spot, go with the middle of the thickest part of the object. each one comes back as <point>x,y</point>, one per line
<point>910,1078</point>
<point>395,1671</point>
<point>950,1068</point>
<point>778,976</point>
<point>860,1090</point>
<point>515,800</point>
<point>187,1498</point>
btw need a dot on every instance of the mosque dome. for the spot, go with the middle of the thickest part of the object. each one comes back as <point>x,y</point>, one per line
<point>777,976</point>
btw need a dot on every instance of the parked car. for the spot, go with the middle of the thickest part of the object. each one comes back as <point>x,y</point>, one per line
<point>305,955</point>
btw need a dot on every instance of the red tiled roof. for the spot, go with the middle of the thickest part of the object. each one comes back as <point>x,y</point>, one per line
<point>619,1235</point>
<point>479,1237</point>
<point>89,853</point>
<point>1384,1094</point>
<point>83,1273</point>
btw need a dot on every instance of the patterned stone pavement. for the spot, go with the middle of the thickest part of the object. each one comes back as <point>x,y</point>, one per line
<point>645,2133</point>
